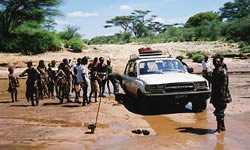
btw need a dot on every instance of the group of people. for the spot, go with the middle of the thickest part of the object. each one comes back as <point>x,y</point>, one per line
<point>65,79</point>
<point>79,76</point>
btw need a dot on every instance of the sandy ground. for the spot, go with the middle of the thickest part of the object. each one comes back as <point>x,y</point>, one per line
<point>64,126</point>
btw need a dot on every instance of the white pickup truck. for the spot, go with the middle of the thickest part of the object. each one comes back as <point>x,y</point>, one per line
<point>152,75</point>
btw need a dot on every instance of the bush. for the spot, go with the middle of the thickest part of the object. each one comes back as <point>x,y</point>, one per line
<point>242,44</point>
<point>196,56</point>
<point>238,30</point>
<point>75,44</point>
<point>31,38</point>
<point>245,49</point>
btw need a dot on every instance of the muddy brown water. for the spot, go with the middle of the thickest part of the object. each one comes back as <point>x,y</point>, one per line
<point>178,131</point>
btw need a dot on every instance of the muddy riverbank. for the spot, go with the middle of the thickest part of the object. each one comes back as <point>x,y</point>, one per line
<point>64,126</point>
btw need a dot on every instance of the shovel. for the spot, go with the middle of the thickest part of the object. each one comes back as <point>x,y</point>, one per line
<point>92,126</point>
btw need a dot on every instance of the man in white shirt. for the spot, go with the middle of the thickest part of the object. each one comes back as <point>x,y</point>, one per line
<point>207,69</point>
<point>85,81</point>
<point>77,78</point>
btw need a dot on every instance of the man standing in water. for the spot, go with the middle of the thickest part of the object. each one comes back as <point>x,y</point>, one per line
<point>220,92</point>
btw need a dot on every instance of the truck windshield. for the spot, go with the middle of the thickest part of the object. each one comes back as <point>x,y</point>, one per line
<point>160,66</point>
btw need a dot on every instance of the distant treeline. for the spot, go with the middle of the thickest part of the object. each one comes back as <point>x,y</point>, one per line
<point>231,23</point>
<point>28,27</point>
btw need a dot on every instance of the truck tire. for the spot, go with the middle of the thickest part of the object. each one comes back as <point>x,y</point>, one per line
<point>199,106</point>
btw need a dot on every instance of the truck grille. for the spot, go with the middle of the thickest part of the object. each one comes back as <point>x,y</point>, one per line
<point>179,87</point>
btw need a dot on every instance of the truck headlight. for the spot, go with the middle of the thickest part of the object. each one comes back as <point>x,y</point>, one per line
<point>200,84</point>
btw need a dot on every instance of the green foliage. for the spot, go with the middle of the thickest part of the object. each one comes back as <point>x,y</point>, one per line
<point>245,49</point>
<point>235,10</point>
<point>238,30</point>
<point>209,31</point>
<point>76,44</point>
<point>14,13</point>
<point>69,33</point>
<point>242,44</point>
<point>31,38</point>
<point>126,37</point>
<point>196,56</point>
<point>197,19</point>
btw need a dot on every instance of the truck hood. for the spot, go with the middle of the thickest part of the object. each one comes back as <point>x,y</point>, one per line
<point>170,77</point>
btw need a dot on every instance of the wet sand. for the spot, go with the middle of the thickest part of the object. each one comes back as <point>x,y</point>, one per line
<point>64,126</point>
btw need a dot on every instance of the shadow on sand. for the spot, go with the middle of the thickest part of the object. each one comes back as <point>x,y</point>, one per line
<point>51,104</point>
<point>71,106</point>
<point>150,107</point>
<point>197,131</point>
<point>6,102</point>
<point>21,105</point>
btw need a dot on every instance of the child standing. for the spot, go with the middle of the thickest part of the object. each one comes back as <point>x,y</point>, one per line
<point>13,84</point>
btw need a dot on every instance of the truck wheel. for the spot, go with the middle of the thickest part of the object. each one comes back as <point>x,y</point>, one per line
<point>199,106</point>
<point>140,97</point>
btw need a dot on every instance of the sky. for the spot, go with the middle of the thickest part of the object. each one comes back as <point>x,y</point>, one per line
<point>91,15</point>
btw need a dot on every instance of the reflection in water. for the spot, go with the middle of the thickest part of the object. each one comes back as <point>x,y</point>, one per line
<point>220,142</point>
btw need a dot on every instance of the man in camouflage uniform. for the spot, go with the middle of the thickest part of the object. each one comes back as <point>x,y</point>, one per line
<point>220,92</point>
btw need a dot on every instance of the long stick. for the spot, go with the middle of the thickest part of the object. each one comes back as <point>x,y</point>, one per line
<point>98,111</point>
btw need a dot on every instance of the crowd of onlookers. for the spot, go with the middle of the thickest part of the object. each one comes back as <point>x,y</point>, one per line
<point>66,78</point>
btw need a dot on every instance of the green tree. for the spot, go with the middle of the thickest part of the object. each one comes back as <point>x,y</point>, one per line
<point>120,21</point>
<point>236,9</point>
<point>69,33</point>
<point>13,13</point>
<point>156,27</point>
<point>238,30</point>
<point>135,23</point>
<point>197,19</point>
<point>139,22</point>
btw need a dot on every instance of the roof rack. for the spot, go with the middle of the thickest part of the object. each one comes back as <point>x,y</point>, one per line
<point>145,53</point>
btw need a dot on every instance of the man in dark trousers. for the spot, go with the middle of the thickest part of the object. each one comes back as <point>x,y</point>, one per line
<point>102,71</point>
<point>220,92</point>
<point>116,80</point>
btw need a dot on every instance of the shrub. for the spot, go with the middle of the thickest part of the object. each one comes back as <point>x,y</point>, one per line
<point>198,57</point>
<point>75,44</point>
<point>242,44</point>
<point>33,39</point>
<point>245,49</point>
